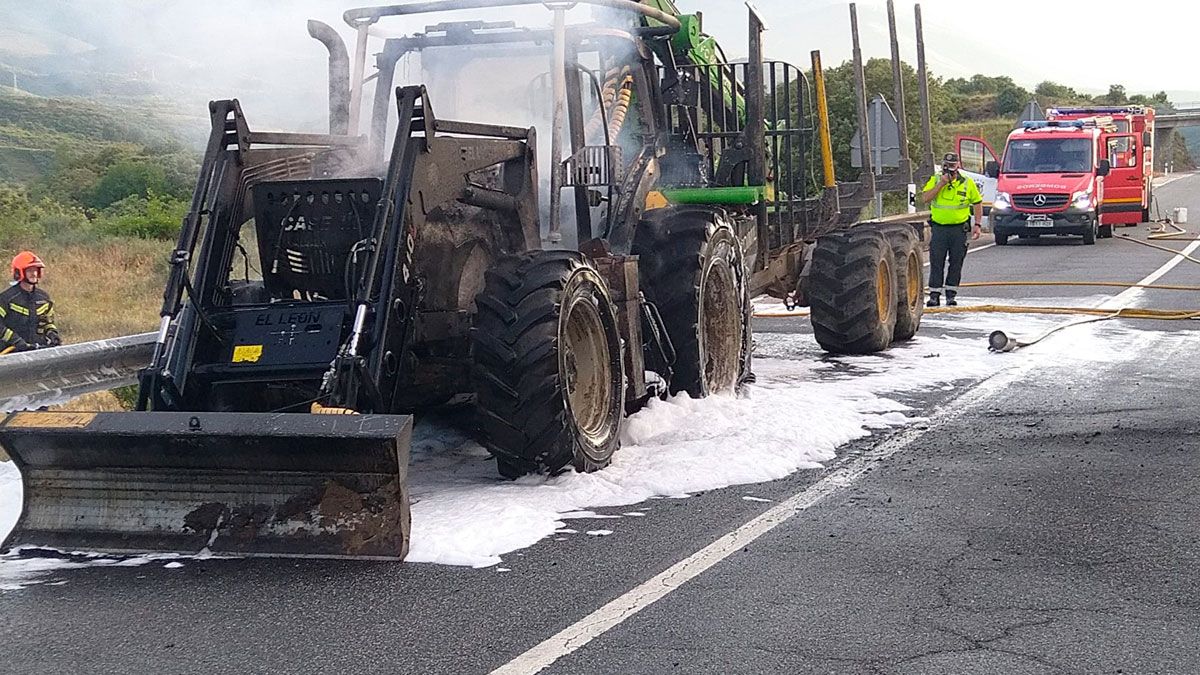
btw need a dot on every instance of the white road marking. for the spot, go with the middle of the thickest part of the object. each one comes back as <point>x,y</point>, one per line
<point>1118,300</point>
<point>1171,179</point>
<point>615,612</point>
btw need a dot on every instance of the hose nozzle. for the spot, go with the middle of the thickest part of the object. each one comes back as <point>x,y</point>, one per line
<point>998,341</point>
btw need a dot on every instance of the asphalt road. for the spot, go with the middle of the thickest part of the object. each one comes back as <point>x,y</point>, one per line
<point>1043,522</point>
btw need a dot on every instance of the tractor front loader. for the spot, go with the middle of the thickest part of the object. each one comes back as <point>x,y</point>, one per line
<point>240,444</point>
<point>324,290</point>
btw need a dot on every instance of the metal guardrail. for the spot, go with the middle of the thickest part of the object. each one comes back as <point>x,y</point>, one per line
<point>29,380</point>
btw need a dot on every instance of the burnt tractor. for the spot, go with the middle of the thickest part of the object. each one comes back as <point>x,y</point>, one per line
<point>325,287</point>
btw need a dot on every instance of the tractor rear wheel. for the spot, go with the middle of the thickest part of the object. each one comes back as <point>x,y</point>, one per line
<point>852,291</point>
<point>548,373</point>
<point>690,265</point>
<point>910,279</point>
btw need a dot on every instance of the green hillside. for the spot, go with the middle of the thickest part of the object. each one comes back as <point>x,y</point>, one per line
<point>33,130</point>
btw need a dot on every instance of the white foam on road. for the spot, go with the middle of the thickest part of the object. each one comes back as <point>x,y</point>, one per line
<point>803,407</point>
<point>10,497</point>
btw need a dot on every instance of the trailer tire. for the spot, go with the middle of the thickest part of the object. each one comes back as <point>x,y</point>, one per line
<point>910,279</point>
<point>691,266</point>
<point>852,288</point>
<point>548,373</point>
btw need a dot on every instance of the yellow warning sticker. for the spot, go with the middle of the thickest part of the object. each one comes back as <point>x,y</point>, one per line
<point>47,420</point>
<point>247,353</point>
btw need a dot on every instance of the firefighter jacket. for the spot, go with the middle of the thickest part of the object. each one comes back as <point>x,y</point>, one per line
<point>952,205</point>
<point>27,319</point>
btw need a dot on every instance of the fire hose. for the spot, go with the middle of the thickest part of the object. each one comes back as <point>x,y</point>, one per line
<point>999,341</point>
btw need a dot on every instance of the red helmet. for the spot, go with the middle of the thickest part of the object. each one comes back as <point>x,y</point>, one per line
<point>24,261</point>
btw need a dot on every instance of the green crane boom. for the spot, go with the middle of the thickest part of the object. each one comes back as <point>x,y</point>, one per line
<point>692,46</point>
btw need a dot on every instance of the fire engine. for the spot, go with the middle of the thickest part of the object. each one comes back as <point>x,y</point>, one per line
<point>1081,172</point>
<point>1129,149</point>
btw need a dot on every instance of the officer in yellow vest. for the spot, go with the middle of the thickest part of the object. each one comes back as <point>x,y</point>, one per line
<point>951,197</point>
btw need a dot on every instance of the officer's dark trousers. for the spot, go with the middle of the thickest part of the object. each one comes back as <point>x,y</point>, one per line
<point>946,240</point>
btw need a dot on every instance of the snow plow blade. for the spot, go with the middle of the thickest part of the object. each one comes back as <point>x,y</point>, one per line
<point>243,484</point>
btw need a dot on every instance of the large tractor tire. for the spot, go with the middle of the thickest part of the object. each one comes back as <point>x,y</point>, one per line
<point>691,266</point>
<point>852,291</point>
<point>548,373</point>
<point>909,264</point>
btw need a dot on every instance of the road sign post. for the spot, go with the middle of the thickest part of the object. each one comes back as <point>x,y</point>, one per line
<point>884,132</point>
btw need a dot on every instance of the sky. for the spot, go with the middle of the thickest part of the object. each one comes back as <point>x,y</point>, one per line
<point>1030,40</point>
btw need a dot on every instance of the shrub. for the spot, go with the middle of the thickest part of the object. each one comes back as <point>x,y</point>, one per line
<point>127,178</point>
<point>17,227</point>
<point>152,217</point>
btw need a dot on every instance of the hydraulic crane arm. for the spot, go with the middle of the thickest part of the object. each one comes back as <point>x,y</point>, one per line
<point>691,46</point>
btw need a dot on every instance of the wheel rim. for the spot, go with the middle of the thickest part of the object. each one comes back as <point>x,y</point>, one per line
<point>883,291</point>
<point>914,280</point>
<point>588,380</point>
<point>721,330</point>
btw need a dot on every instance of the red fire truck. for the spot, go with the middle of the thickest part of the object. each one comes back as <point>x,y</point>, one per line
<point>1083,171</point>
<point>1128,189</point>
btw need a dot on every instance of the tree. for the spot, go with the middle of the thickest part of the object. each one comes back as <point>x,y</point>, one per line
<point>1011,100</point>
<point>16,217</point>
<point>1115,96</point>
<point>1159,101</point>
<point>843,111</point>
<point>980,84</point>
<point>1055,92</point>
<point>150,217</point>
<point>24,222</point>
<point>128,178</point>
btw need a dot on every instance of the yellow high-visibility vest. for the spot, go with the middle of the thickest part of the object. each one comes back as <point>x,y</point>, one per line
<point>952,205</point>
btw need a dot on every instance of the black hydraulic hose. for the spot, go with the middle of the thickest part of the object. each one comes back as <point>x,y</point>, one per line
<point>607,138</point>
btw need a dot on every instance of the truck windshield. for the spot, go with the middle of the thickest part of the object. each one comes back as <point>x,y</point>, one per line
<point>1048,155</point>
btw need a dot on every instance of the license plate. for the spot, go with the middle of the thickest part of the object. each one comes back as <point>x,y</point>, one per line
<point>1039,221</point>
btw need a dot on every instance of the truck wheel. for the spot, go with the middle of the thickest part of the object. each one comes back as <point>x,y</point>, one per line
<point>852,296</point>
<point>1105,232</point>
<point>691,267</point>
<point>910,280</point>
<point>1089,235</point>
<point>548,374</point>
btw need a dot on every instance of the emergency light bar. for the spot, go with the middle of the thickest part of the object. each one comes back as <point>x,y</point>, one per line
<point>1042,124</point>
<point>1100,110</point>
<point>1105,123</point>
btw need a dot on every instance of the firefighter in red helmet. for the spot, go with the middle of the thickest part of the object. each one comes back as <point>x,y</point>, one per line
<point>26,312</point>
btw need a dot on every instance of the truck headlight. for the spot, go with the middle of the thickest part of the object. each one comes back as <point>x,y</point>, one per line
<point>1082,200</point>
<point>1002,202</point>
